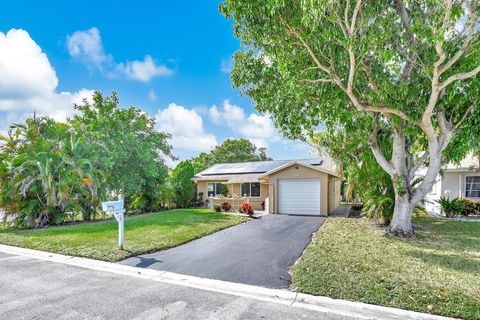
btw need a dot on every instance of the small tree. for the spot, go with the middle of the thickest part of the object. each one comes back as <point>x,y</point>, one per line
<point>402,69</point>
<point>182,183</point>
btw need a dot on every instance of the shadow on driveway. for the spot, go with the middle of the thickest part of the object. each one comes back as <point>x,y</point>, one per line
<point>259,252</point>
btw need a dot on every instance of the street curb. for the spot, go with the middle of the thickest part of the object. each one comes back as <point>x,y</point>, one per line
<point>356,310</point>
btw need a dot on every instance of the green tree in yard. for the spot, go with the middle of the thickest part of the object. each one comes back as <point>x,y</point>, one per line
<point>182,183</point>
<point>231,150</point>
<point>364,179</point>
<point>127,143</point>
<point>401,69</point>
<point>46,168</point>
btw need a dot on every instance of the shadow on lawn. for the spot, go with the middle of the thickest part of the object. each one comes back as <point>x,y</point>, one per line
<point>448,244</point>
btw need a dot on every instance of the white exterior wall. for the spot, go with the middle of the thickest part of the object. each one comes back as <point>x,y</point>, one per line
<point>451,185</point>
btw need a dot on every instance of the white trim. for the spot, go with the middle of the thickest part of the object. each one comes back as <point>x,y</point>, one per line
<point>464,194</point>
<point>300,164</point>
<point>356,310</point>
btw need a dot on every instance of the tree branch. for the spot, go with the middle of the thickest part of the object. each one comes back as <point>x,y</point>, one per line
<point>407,23</point>
<point>316,80</point>
<point>471,32</point>
<point>377,152</point>
<point>460,76</point>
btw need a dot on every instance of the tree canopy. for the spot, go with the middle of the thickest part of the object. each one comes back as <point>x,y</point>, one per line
<point>182,183</point>
<point>406,70</point>
<point>51,172</point>
<point>231,150</point>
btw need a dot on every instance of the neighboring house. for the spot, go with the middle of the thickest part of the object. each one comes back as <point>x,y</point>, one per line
<point>456,181</point>
<point>300,187</point>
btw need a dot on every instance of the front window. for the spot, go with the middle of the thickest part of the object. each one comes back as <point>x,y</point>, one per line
<point>214,188</point>
<point>472,187</point>
<point>211,189</point>
<point>245,189</point>
<point>251,189</point>
<point>255,187</point>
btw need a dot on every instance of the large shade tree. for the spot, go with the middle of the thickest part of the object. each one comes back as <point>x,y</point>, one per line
<point>404,69</point>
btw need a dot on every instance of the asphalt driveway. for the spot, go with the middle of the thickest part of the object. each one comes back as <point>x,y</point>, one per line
<point>259,252</point>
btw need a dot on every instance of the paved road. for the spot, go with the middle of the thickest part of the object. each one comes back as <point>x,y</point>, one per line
<point>259,252</point>
<point>36,289</point>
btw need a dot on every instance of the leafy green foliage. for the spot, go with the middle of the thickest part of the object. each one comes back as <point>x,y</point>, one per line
<point>394,68</point>
<point>127,142</point>
<point>364,180</point>
<point>51,172</point>
<point>470,207</point>
<point>231,150</point>
<point>451,207</point>
<point>182,183</point>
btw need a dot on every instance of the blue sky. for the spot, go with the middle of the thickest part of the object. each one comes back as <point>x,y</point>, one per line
<point>169,58</point>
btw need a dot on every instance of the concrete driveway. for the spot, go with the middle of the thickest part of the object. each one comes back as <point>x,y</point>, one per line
<point>259,252</point>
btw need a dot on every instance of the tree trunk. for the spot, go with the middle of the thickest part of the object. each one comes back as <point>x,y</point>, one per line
<point>401,224</point>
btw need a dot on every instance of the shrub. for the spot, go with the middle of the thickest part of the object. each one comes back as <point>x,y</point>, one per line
<point>451,207</point>
<point>216,208</point>
<point>226,206</point>
<point>224,191</point>
<point>246,208</point>
<point>470,207</point>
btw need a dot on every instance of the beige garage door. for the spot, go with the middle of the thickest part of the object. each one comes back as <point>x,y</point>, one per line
<point>299,196</point>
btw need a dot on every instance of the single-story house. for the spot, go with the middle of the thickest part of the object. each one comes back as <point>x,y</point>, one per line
<point>460,180</point>
<point>299,187</point>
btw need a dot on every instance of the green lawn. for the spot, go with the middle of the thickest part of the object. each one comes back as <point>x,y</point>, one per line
<point>439,272</point>
<point>143,234</point>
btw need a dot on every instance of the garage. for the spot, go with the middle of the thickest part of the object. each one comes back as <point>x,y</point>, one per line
<point>299,196</point>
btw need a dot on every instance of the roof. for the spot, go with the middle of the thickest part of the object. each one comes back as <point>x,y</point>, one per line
<point>253,171</point>
<point>469,163</point>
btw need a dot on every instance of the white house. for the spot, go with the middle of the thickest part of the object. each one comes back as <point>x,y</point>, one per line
<point>457,181</point>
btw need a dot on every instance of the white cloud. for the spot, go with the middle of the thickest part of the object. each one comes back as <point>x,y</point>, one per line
<point>186,127</point>
<point>28,82</point>
<point>25,71</point>
<point>215,115</point>
<point>257,128</point>
<point>152,96</point>
<point>143,71</point>
<point>87,47</point>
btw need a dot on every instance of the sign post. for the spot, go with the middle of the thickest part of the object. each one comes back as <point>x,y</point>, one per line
<point>117,209</point>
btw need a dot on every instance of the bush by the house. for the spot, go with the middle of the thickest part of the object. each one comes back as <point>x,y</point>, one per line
<point>224,191</point>
<point>246,208</point>
<point>216,208</point>
<point>226,206</point>
<point>470,207</point>
<point>451,207</point>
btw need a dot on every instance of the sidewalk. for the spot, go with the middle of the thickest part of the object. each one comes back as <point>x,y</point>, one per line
<point>84,288</point>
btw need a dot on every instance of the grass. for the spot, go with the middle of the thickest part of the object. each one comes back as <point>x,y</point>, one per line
<point>143,234</point>
<point>439,272</point>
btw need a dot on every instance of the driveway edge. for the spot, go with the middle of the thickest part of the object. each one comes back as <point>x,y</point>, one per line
<point>317,303</point>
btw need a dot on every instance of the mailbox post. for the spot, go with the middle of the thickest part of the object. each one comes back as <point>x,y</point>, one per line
<point>116,208</point>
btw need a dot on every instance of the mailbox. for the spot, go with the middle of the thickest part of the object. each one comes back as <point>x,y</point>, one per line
<point>112,206</point>
<point>116,208</point>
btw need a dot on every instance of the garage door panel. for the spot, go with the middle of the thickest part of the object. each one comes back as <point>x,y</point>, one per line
<point>299,196</point>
